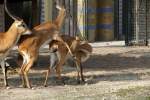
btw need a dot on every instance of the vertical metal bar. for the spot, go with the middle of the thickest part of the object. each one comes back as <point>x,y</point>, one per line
<point>64,28</point>
<point>117,31</point>
<point>146,23</point>
<point>69,27</point>
<point>137,20</point>
<point>86,18</point>
<point>121,34</point>
<point>124,22</point>
<point>3,19</point>
<point>132,24</point>
<point>116,19</point>
<point>35,12</point>
<point>74,17</point>
<point>128,20</point>
<point>71,17</point>
<point>132,21</point>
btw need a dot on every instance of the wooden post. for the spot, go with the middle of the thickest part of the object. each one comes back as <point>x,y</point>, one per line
<point>137,20</point>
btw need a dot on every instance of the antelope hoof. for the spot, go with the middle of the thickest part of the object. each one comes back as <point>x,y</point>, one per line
<point>45,85</point>
<point>23,86</point>
<point>33,88</point>
<point>83,81</point>
<point>30,87</point>
<point>78,81</point>
<point>63,82</point>
<point>7,87</point>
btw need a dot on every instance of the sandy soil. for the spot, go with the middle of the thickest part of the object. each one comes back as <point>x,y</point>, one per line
<point>112,73</point>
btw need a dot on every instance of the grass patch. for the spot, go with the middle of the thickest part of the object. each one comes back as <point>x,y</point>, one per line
<point>134,93</point>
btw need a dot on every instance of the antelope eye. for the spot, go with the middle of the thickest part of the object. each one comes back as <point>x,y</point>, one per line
<point>21,25</point>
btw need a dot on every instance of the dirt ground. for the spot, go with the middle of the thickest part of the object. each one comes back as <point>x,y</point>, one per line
<point>112,73</point>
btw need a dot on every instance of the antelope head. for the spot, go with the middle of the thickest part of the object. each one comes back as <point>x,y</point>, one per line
<point>21,27</point>
<point>61,8</point>
<point>53,46</point>
<point>64,10</point>
<point>18,23</point>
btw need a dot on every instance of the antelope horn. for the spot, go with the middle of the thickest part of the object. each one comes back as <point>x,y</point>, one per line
<point>5,4</point>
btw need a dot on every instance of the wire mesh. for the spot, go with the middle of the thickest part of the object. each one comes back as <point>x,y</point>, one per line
<point>136,21</point>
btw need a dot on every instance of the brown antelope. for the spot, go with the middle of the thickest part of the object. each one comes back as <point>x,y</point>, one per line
<point>29,46</point>
<point>9,39</point>
<point>59,55</point>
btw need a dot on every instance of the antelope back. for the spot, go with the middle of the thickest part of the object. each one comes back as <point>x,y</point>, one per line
<point>53,45</point>
<point>84,51</point>
<point>85,46</point>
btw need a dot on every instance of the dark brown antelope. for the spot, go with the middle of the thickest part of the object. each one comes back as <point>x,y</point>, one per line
<point>59,55</point>
<point>9,39</point>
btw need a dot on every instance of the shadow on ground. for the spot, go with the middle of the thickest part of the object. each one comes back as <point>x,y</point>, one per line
<point>125,66</point>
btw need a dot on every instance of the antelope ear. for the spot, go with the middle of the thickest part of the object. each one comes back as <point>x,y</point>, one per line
<point>19,19</point>
<point>16,23</point>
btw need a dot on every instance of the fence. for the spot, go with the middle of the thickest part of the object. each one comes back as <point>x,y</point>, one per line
<point>136,18</point>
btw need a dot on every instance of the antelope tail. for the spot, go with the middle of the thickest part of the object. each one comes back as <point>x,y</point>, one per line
<point>85,51</point>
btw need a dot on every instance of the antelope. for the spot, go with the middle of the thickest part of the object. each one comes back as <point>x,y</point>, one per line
<point>29,46</point>
<point>9,39</point>
<point>59,55</point>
